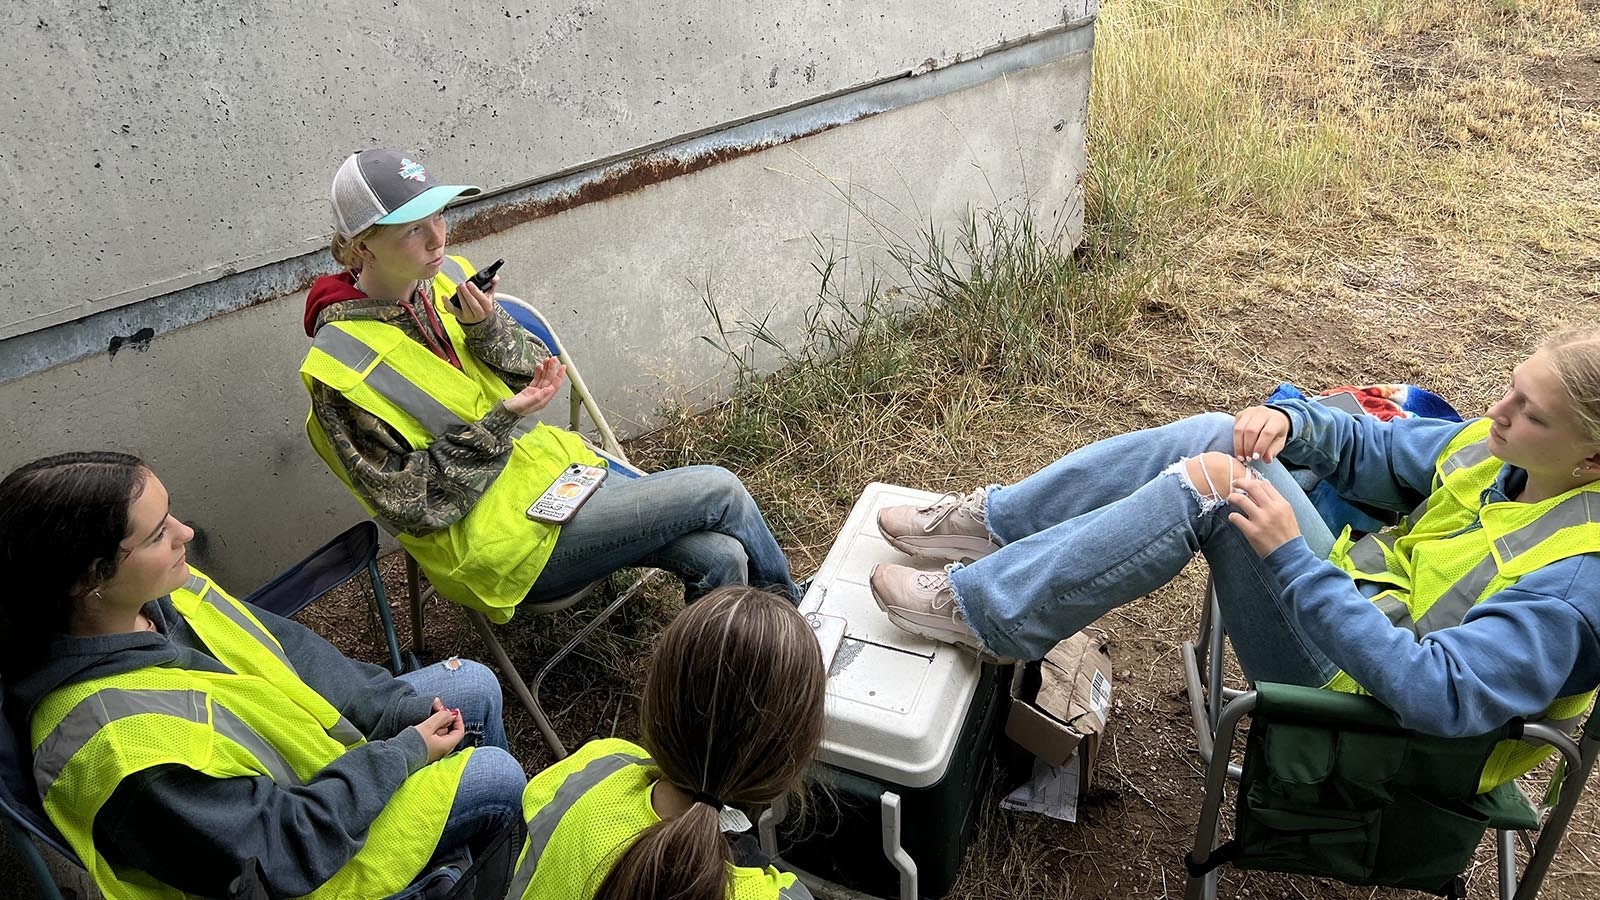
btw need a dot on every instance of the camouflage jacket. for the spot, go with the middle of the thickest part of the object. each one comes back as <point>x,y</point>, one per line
<point>419,490</point>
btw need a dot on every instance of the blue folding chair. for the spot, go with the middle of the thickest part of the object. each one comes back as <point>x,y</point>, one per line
<point>330,566</point>
<point>617,461</point>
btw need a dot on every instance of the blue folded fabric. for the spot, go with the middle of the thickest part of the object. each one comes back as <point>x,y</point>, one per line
<point>1405,400</point>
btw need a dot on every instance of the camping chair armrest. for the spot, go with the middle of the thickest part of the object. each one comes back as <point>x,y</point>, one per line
<point>1323,707</point>
<point>1335,708</point>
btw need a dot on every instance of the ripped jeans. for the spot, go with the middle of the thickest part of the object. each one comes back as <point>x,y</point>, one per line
<point>1113,521</point>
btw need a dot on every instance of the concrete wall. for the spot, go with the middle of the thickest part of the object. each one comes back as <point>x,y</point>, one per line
<point>162,143</point>
<point>217,410</point>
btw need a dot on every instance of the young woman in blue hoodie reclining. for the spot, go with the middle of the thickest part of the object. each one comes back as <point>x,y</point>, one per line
<point>177,734</point>
<point>1484,605</point>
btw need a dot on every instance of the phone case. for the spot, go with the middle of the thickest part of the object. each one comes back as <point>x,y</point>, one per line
<point>830,634</point>
<point>561,500</point>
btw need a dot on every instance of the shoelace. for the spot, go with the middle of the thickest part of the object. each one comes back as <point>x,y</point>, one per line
<point>943,507</point>
<point>939,584</point>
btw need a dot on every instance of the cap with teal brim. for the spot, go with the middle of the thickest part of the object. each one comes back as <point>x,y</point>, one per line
<point>387,187</point>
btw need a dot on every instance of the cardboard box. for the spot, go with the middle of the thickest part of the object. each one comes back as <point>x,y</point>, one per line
<point>1060,703</point>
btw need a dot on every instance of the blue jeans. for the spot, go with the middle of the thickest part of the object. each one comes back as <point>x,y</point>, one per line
<point>698,522</point>
<point>1115,520</point>
<point>490,795</point>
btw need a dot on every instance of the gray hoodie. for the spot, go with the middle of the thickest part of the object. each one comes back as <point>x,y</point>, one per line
<point>195,832</point>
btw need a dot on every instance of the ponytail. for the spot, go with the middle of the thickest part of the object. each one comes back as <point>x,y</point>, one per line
<point>732,709</point>
<point>684,858</point>
<point>343,247</point>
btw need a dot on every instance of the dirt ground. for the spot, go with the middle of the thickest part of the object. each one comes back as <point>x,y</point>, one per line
<point>1451,312</point>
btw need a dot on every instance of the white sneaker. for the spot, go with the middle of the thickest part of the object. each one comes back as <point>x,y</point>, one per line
<point>952,528</point>
<point>924,604</point>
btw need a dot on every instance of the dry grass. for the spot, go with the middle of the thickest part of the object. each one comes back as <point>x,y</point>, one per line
<point>1335,192</point>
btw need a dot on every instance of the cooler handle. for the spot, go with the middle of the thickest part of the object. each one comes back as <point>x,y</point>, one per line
<point>897,854</point>
<point>767,825</point>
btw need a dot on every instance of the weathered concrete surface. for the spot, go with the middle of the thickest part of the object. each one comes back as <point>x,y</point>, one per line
<point>218,410</point>
<point>152,145</point>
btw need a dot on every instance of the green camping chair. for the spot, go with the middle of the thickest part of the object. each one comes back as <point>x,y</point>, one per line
<point>611,449</point>
<point>1331,785</point>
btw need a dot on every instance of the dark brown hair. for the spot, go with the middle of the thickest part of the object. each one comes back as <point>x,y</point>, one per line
<point>732,710</point>
<point>62,522</point>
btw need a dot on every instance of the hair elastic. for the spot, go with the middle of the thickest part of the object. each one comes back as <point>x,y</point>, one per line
<point>707,799</point>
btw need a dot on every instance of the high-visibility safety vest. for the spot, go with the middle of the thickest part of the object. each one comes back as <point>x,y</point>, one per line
<point>582,814</point>
<point>260,720</point>
<point>489,558</point>
<point>1454,551</point>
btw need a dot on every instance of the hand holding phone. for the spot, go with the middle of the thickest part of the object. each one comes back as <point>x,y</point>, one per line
<point>483,281</point>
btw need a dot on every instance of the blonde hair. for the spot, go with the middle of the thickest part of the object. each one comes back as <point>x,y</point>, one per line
<point>732,711</point>
<point>343,248</point>
<point>1575,356</point>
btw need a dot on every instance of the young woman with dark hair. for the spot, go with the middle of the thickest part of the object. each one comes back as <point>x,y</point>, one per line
<point>731,717</point>
<point>177,734</point>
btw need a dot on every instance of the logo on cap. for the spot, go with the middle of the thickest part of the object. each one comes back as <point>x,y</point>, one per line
<point>413,170</point>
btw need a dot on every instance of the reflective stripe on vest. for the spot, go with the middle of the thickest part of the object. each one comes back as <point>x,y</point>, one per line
<point>434,416</point>
<point>1578,509</point>
<point>544,822</point>
<point>342,730</point>
<point>453,271</point>
<point>69,736</point>
<point>1465,458</point>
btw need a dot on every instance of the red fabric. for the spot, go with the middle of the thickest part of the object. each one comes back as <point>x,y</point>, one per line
<point>1377,400</point>
<point>326,291</point>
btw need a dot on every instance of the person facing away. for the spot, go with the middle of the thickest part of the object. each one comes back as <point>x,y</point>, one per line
<point>731,717</point>
<point>1482,606</point>
<point>178,734</point>
<point>420,386</point>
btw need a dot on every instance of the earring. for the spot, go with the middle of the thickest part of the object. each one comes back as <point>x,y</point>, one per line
<point>1577,471</point>
<point>95,595</point>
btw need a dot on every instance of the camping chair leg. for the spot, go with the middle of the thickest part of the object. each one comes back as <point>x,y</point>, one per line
<point>1214,692</point>
<point>414,593</point>
<point>381,600</point>
<point>1579,765</point>
<point>1505,842</point>
<point>590,626</point>
<point>1204,887</point>
<point>518,686</point>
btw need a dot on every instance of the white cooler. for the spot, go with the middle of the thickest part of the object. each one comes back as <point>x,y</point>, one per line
<point>906,748</point>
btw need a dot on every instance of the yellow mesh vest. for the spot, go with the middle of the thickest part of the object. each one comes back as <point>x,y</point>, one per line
<point>585,811</point>
<point>490,558</point>
<point>1453,553</point>
<point>260,721</point>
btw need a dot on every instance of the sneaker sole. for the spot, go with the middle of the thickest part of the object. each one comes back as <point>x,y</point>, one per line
<point>940,547</point>
<point>939,635</point>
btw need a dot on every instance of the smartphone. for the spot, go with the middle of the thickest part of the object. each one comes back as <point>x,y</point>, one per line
<point>483,279</point>
<point>830,634</point>
<point>561,500</point>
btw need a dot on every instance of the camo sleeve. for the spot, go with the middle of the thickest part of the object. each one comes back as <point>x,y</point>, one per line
<point>506,347</point>
<point>417,491</point>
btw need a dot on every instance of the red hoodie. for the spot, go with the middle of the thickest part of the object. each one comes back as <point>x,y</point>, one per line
<point>331,289</point>
<point>326,291</point>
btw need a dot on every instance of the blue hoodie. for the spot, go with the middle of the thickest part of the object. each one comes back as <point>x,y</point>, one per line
<point>1512,654</point>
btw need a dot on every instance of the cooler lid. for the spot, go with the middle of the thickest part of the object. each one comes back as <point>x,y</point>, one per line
<point>896,701</point>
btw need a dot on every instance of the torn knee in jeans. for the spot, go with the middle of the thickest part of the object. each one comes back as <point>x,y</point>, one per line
<point>1210,477</point>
